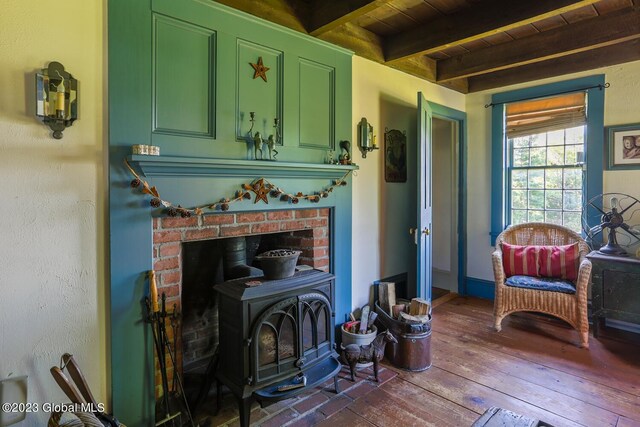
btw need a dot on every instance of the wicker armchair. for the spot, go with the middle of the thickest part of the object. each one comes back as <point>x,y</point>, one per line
<point>571,308</point>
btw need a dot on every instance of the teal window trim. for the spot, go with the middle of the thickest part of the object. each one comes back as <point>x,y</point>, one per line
<point>594,143</point>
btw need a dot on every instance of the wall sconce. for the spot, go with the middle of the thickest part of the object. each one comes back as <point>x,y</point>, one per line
<point>56,98</point>
<point>366,138</point>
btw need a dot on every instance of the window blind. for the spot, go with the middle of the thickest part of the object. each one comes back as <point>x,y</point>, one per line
<point>547,114</point>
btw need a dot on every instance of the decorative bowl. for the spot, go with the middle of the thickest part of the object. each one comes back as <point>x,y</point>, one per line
<point>278,263</point>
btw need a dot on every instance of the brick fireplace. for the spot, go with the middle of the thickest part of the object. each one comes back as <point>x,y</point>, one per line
<point>190,181</point>
<point>306,230</point>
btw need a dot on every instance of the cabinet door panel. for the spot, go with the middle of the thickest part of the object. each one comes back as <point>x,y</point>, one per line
<point>317,105</point>
<point>620,291</point>
<point>183,78</point>
<point>253,93</point>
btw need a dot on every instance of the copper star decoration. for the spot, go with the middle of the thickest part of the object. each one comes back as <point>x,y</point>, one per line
<point>259,69</point>
<point>261,191</point>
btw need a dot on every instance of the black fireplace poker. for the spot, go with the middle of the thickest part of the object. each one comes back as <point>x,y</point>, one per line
<point>163,346</point>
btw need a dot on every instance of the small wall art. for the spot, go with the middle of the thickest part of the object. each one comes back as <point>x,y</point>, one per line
<point>395,155</point>
<point>623,146</point>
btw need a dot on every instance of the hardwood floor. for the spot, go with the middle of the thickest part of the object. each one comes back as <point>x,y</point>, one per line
<point>533,367</point>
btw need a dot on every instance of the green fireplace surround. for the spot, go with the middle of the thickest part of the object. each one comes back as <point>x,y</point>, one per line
<point>179,78</point>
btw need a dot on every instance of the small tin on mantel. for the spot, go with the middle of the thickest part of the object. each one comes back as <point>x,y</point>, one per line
<point>140,149</point>
<point>154,150</point>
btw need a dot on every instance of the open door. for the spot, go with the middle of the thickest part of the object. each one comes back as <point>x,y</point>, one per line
<point>422,232</point>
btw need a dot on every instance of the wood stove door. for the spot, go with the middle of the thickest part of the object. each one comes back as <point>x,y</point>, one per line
<point>290,336</point>
<point>317,327</point>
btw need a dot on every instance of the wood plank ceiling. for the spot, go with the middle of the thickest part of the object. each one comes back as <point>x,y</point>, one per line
<point>469,45</point>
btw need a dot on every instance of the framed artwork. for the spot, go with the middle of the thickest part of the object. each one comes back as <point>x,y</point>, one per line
<point>395,155</point>
<point>623,146</point>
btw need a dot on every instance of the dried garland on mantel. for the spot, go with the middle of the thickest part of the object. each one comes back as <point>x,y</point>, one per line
<point>261,187</point>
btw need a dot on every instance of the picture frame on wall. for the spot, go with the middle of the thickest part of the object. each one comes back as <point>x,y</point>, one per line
<point>623,146</point>
<point>395,155</point>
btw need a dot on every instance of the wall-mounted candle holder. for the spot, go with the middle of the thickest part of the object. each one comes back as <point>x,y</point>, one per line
<point>366,138</point>
<point>56,98</point>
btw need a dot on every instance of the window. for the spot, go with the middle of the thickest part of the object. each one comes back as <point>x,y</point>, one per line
<point>537,170</point>
<point>545,177</point>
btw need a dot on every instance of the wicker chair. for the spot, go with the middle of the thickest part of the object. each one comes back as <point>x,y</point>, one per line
<point>571,308</point>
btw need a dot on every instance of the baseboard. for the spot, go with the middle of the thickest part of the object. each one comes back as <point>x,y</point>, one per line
<point>479,288</point>
<point>625,326</point>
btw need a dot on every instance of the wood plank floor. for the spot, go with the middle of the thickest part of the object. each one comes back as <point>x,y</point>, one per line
<point>533,367</point>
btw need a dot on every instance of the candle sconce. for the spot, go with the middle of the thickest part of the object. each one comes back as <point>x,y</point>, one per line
<point>56,98</point>
<point>366,138</point>
<point>258,142</point>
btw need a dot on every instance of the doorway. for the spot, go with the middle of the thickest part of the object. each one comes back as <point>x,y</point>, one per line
<point>433,212</point>
<point>445,205</point>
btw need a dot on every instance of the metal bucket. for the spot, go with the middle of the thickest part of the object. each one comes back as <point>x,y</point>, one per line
<point>413,350</point>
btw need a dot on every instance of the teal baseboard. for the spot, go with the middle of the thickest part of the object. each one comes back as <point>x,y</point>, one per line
<point>480,288</point>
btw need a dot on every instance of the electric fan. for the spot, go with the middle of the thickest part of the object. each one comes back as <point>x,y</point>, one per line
<point>615,212</point>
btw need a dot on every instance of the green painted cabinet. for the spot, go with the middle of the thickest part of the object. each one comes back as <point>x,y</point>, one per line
<point>204,86</point>
<point>615,292</point>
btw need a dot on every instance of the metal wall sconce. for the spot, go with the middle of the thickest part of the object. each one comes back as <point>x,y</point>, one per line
<point>366,138</point>
<point>56,98</point>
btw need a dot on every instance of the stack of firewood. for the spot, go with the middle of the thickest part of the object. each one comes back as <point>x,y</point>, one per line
<point>361,321</point>
<point>417,310</point>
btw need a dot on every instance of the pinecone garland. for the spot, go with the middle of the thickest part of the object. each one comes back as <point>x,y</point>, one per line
<point>155,202</point>
<point>135,183</point>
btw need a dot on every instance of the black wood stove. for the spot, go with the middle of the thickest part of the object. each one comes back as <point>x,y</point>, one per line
<point>273,332</point>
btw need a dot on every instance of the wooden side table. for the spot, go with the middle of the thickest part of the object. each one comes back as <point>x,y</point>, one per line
<point>616,289</point>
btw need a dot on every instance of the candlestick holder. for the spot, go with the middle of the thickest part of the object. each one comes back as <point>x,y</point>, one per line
<point>56,98</point>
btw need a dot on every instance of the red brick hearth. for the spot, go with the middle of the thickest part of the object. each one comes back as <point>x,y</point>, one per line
<point>306,230</point>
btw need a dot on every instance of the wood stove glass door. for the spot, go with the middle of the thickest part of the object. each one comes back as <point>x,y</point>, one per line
<point>291,335</point>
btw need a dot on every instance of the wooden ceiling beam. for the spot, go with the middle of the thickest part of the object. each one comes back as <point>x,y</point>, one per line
<point>617,27</point>
<point>327,15</point>
<point>288,13</point>
<point>583,61</point>
<point>476,22</point>
<point>361,41</point>
<point>368,45</point>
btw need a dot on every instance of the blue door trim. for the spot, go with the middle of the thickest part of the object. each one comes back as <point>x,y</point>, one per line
<point>460,117</point>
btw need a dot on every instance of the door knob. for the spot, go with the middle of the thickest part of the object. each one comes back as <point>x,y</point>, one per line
<point>426,231</point>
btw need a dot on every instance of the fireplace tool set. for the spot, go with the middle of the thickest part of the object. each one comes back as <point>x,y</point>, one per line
<point>157,315</point>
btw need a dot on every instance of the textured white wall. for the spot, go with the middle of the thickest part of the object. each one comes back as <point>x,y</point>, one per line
<point>622,104</point>
<point>383,212</point>
<point>52,193</point>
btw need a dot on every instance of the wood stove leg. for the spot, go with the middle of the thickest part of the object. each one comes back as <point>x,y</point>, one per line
<point>335,383</point>
<point>218,396</point>
<point>244,408</point>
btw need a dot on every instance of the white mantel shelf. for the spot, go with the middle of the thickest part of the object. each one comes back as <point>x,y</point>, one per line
<point>152,166</point>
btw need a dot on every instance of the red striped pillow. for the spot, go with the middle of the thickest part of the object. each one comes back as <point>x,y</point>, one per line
<point>560,262</point>
<point>520,260</point>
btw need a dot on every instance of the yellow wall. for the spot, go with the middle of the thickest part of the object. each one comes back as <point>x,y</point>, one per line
<point>384,212</point>
<point>622,104</point>
<point>52,256</point>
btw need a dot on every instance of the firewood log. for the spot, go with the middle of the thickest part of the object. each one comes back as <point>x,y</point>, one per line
<point>387,296</point>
